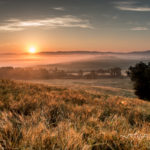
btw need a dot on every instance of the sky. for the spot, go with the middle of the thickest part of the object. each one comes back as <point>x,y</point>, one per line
<point>71,25</point>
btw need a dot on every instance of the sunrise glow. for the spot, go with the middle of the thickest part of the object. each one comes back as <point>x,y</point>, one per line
<point>32,50</point>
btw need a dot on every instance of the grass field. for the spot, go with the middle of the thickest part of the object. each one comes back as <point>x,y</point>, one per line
<point>113,86</point>
<point>43,117</point>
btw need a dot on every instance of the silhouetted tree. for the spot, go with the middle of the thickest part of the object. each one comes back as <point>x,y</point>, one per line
<point>140,75</point>
<point>115,72</point>
<point>92,75</point>
<point>80,73</point>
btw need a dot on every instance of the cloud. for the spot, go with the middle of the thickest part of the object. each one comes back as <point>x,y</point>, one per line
<point>115,17</point>
<point>59,8</point>
<point>140,9</point>
<point>56,22</point>
<point>139,29</point>
<point>131,6</point>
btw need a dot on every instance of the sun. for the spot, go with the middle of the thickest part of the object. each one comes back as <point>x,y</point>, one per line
<point>32,50</point>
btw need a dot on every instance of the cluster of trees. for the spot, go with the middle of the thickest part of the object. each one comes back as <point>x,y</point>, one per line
<point>42,73</point>
<point>140,75</point>
<point>113,72</point>
<point>23,73</point>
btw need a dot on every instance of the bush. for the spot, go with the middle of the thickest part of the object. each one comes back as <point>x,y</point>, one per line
<point>140,75</point>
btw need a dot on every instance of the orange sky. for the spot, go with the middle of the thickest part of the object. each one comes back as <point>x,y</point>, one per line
<point>54,25</point>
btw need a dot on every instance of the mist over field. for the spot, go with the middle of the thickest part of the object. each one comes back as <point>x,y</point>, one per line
<point>77,60</point>
<point>27,60</point>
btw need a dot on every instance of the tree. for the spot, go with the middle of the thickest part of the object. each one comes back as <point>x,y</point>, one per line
<point>80,73</point>
<point>115,72</point>
<point>140,75</point>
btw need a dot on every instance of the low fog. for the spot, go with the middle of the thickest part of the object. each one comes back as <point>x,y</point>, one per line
<point>28,60</point>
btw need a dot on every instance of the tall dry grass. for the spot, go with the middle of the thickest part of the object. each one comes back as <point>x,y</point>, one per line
<point>39,117</point>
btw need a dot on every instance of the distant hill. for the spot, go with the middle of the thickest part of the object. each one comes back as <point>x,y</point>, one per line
<point>141,52</point>
<point>85,52</point>
<point>96,52</point>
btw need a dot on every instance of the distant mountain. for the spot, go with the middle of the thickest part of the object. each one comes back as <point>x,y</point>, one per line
<point>147,52</point>
<point>96,52</point>
<point>141,52</point>
<point>71,52</point>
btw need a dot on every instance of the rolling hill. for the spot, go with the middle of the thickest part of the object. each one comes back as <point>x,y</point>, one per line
<point>37,116</point>
<point>95,59</point>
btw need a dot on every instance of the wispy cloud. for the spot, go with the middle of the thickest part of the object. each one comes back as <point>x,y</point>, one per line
<point>59,8</point>
<point>114,17</point>
<point>56,22</point>
<point>131,6</point>
<point>139,29</point>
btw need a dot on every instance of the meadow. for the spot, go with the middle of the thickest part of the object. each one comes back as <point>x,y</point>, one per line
<point>37,116</point>
<point>110,86</point>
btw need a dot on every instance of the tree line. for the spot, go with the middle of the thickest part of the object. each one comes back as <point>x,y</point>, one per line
<point>43,73</point>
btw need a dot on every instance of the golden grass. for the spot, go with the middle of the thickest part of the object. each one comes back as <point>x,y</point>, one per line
<point>40,117</point>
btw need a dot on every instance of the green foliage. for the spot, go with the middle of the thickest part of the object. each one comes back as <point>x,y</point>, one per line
<point>34,116</point>
<point>140,75</point>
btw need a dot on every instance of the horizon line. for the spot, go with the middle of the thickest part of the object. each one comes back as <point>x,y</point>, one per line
<point>74,51</point>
